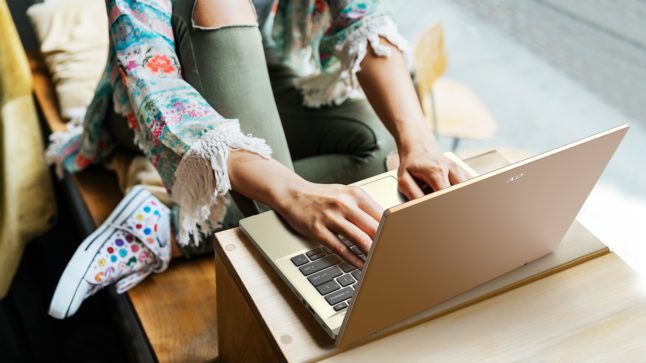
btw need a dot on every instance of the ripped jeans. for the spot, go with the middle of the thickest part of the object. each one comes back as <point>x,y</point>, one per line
<point>333,144</point>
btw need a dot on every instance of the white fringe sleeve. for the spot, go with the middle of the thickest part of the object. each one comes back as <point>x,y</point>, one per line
<point>335,86</point>
<point>202,179</point>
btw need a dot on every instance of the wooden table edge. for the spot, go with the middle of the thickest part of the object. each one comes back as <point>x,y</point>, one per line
<point>225,264</point>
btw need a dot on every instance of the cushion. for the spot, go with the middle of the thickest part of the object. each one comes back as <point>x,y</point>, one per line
<point>73,37</point>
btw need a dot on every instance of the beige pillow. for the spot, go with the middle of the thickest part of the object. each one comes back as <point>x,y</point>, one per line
<point>73,36</point>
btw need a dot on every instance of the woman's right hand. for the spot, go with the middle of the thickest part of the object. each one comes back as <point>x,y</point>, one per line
<point>321,212</point>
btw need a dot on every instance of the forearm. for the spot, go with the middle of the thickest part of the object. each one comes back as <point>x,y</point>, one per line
<point>319,212</point>
<point>389,89</point>
<point>264,180</point>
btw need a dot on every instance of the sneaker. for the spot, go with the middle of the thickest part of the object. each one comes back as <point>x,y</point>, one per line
<point>131,244</point>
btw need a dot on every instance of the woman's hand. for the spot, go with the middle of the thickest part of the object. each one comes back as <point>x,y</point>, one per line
<point>388,86</point>
<point>321,212</point>
<point>423,168</point>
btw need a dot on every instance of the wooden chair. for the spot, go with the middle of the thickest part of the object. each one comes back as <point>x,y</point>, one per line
<point>452,109</point>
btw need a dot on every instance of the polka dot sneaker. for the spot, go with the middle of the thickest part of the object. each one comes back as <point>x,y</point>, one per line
<point>131,244</point>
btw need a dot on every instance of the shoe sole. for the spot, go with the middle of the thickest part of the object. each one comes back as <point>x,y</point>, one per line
<point>72,286</point>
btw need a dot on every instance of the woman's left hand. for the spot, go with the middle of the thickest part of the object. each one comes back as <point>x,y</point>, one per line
<point>388,86</point>
<point>424,167</point>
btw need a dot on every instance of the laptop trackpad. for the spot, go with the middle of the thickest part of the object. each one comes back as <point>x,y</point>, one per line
<point>384,191</point>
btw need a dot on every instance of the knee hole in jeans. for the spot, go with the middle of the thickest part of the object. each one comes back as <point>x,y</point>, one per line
<point>216,14</point>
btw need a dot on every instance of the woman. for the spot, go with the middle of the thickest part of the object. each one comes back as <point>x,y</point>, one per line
<point>302,99</point>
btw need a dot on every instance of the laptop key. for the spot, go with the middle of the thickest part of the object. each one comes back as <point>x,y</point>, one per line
<point>346,267</point>
<point>327,250</point>
<point>340,306</point>
<point>339,295</point>
<point>324,276</point>
<point>299,260</point>
<point>345,241</point>
<point>317,256</point>
<point>356,250</point>
<point>345,280</point>
<point>313,252</point>
<point>356,274</point>
<point>328,287</point>
<point>318,265</point>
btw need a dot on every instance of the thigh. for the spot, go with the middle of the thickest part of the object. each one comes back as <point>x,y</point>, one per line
<point>351,128</point>
<point>227,66</point>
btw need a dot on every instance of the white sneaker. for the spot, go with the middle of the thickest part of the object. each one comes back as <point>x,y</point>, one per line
<point>131,244</point>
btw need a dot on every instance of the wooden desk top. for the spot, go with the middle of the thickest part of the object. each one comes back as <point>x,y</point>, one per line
<point>595,311</point>
<point>559,312</point>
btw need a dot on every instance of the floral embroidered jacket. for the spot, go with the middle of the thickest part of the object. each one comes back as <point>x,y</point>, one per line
<point>182,135</point>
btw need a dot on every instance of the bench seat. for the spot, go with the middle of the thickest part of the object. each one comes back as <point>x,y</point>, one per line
<point>169,316</point>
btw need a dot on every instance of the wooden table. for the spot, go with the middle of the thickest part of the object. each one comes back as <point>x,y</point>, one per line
<point>595,311</point>
<point>591,309</point>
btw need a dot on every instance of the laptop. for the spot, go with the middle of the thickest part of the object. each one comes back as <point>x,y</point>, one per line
<point>433,248</point>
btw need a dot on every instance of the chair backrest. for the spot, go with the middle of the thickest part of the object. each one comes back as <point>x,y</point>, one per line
<point>430,59</point>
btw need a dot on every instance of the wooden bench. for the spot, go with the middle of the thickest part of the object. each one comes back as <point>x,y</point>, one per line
<point>170,316</point>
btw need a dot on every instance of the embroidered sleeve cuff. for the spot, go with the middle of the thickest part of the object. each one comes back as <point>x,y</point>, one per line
<point>334,87</point>
<point>202,179</point>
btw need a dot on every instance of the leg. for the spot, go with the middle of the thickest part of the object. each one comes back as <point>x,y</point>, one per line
<point>224,60</point>
<point>338,144</point>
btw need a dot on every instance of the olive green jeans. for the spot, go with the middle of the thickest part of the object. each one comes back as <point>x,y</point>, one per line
<point>335,144</point>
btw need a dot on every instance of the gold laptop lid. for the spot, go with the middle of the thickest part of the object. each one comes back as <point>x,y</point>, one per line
<point>433,248</point>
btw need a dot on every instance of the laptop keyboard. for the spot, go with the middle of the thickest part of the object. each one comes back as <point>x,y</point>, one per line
<point>332,277</point>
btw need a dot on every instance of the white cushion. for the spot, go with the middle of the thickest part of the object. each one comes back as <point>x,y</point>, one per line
<point>73,36</point>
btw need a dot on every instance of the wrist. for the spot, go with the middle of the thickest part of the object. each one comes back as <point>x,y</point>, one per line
<point>286,191</point>
<point>412,133</point>
<point>416,142</point>
<point>264,180</point>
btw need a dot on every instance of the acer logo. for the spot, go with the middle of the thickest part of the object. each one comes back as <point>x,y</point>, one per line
<point>514,178</point>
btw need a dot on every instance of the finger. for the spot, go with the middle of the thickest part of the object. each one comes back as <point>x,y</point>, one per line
<point>332,241</point>
<point>437,180</point>
<point>369,205</point>
<point>353,233</point>
<point>456,174</point>
<point>366,220</point>
<point>362,220</point>
<point>409,187</point>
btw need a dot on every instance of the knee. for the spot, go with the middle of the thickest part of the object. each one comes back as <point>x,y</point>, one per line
<point>371,143</point>
<point>214,14</point>
<point>385,144</point>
